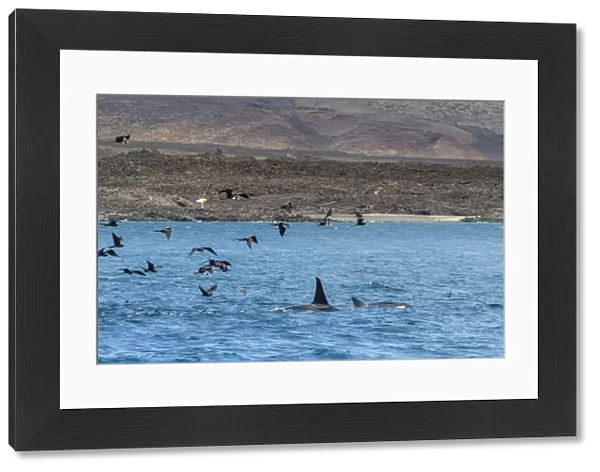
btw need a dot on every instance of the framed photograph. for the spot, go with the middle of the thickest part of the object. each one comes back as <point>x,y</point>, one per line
<point>236,230</point>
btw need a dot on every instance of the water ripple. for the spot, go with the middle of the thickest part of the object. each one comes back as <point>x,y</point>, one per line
<point>451,274</point>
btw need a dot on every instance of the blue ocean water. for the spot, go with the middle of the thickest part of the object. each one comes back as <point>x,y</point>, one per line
<point>452,275</point>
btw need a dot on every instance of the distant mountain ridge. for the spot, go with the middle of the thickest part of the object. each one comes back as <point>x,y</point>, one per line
<point>439,129</point>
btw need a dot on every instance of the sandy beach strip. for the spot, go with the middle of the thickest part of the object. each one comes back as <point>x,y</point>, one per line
<point>372,217</point>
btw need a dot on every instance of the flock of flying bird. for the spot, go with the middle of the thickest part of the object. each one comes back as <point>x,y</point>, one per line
<point>205,269</point>
<point>319,303</point>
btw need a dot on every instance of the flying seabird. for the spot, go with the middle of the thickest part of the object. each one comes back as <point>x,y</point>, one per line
<point>135,271</point>
<point>205,270</point>
<point>122,139</point>
<point>117,241</point>
<point>249,240</point>
<point>209,291</point>
<point>282,227</point>
<point>229,195</point>
<point>222,265</point>
<point>111,223</point>
<point>151,267</point>
<point>104,252</point>
<point>202,249</point>
<point>360,221</point>
<point>327,220</point>
<point>166,231</point>
<point>215,263</point>
<point>287,207</point>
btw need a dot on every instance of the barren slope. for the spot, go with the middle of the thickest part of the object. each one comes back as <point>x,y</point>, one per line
<point>316,126</point>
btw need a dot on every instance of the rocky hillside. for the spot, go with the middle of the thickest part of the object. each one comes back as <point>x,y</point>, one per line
<point>364,128</point>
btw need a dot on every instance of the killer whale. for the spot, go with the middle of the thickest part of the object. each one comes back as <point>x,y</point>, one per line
<point>360,304</point>
<point>319,303</point>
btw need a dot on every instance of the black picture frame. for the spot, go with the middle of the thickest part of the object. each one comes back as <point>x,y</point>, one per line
<point>36,420</point>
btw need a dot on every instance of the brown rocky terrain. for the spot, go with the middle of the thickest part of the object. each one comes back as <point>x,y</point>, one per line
<point>150,185</point>
<point>320,127</point>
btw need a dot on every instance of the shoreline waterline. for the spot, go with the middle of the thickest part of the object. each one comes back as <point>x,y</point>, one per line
<point>314,218</point>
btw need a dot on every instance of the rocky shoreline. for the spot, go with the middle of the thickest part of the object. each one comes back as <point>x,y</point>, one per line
<point>149,185</point>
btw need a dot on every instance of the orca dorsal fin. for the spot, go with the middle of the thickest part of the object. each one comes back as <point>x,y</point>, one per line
<point>320,297</point>
<point>357,303</point>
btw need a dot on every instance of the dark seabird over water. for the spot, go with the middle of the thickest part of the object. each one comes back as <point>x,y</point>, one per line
<point>111,223</point>
<point>166,231</point>
<point>216,262</point>
<point>249,240</point>
<point>327,220</point>
<point>151,267</point>
<point>223,266</point>
<point>202,249</point>
<point>208,292</point>
<point>135,271</point>
<point>117,241</point>
<point>282,227</point>
<point>104,252</point>
<point>205,270</point>
<point>360,221</point>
